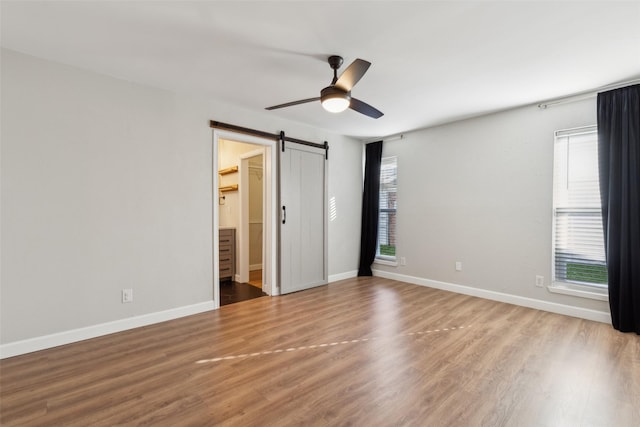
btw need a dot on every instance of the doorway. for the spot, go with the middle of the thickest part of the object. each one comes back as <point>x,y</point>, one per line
<point>252,166</point>
<point>294,255</point>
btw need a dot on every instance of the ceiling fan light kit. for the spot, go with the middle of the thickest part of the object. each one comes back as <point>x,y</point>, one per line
<point>334,100</point>
<point>336,97</point>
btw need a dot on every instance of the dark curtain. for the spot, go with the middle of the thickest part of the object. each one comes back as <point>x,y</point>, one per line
<point>619,163</point>
<point>370,208</point>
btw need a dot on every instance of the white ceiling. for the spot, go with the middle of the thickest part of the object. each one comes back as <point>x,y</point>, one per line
<point>433,62</point>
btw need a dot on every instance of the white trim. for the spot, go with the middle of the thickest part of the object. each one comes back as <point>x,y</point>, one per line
<point>579,291</point>
<point>67,337</point>
<point>253,267</point>
<point>567,310</point>
<point>383,261</point>
<point>343,276</point>
<point>215,219</point>
<point>580,130</point>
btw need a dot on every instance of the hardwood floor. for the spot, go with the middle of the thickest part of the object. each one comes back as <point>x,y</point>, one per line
<point>362,352</point>
<point>255,278</point>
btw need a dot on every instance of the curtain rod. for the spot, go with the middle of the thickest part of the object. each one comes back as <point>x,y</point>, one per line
<point>580,96</point>
<point>386,138</point>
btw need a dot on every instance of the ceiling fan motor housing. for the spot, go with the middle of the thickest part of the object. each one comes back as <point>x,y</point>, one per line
<point>334,92</point>
<point>334,99</point>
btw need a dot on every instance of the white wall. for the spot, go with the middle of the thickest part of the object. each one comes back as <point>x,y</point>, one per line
<point>256,211</point>
<point>108,185</point>
<point>345,209</point>
<point>479,191</point>
<point>229,155</point>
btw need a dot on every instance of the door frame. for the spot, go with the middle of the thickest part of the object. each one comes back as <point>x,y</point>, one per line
<point>243,228</point>
<point>270,198</point>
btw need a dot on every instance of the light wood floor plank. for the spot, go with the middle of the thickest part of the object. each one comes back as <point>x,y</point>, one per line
<point>365,351</point>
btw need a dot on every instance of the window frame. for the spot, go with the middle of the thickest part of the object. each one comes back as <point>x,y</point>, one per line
<point>574,288</point>
<point>380,258</point>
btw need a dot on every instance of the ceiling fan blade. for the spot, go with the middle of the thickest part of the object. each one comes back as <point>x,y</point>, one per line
<point>352,74</point>
<point>289,104</point>
<point>364,108</point>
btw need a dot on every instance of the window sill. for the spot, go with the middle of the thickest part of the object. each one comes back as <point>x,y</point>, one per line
<point>579,291</point>
<point>381,261</point>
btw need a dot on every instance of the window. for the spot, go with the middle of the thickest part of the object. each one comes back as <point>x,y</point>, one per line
<point>579,257</point>
<point>386,249</point>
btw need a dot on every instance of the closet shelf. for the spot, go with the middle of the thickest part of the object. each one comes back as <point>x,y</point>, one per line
<point>233,187</point>
<point>226,171</point>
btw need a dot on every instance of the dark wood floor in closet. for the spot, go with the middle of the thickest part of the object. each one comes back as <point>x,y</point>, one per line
<point>232,292</point>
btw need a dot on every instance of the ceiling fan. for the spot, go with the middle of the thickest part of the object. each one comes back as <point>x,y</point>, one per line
<point>337,97</point>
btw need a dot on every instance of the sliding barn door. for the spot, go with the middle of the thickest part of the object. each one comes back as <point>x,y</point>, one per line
<point>303,243</point>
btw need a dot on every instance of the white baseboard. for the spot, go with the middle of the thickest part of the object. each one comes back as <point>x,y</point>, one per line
<point>67,337</point>
<point>253,267</point>
<point>343,276</point>
<point>568,310</point>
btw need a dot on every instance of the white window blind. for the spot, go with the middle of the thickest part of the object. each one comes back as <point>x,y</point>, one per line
<point>578,237</point>
<point>387,214</point>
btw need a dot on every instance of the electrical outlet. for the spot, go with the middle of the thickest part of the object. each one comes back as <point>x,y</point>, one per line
<point>458,265</point>
<point>127,295</point>
<point>540,281</point>
<point>403,261</point>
